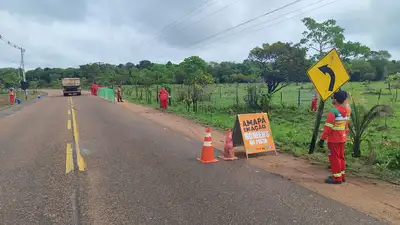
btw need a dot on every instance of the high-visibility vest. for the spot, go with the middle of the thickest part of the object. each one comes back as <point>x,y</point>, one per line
<point>336,125</point>
<point>163,95</point>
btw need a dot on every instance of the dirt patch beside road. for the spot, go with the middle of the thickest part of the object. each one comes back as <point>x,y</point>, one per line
<point>376,198</point>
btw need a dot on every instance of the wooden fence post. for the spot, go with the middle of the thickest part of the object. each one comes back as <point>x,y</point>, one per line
<point>379,96</point>
<point>298,97</point>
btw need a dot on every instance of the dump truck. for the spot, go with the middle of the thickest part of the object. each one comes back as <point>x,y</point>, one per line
<point>71,86</point>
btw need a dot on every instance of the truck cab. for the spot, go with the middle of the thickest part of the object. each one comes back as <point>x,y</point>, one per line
<point>71,86</point>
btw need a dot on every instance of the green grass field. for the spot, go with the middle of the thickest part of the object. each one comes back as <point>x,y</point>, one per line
<point>291,121</point>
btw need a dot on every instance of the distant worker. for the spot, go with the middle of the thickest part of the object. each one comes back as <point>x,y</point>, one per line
<point>119,94</point>
<point>347,105</point>
<point>94,89</point>
<point>163,96</point>
<point>12,96</point>
<point>314,102</point>
<point>335,132</point>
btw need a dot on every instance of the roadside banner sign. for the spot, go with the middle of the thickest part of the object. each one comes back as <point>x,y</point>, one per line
<point>328,74</point>
<point>253,131</point>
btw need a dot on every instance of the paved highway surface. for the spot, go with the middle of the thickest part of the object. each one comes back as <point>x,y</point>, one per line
<point>137,173</point>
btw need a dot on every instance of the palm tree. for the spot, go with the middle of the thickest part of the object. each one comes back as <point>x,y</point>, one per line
<point>361,118</point>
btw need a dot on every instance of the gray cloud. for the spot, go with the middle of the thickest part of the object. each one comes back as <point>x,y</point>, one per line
<point>376,21</point>
<point>69,33</point>
<point>46,10</point>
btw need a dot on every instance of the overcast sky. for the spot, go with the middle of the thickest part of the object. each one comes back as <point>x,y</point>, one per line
<point>62,33</point>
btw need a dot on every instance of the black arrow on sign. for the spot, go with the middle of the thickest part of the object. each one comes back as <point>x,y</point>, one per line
<point>327,70</point>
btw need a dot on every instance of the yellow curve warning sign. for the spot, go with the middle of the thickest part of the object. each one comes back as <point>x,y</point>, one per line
<point>328,74</point>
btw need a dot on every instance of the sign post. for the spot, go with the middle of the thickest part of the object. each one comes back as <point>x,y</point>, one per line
<point>254,132</point>
<point>327,75</point>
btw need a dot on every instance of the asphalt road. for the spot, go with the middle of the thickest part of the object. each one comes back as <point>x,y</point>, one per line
<point>137,173</point>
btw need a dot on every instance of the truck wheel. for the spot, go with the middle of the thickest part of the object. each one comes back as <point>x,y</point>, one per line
<point>79,93</point>
<point>65,94</point>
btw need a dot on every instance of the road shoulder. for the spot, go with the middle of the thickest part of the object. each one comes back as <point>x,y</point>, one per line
<point>12,109</point>
<point>375,198</point>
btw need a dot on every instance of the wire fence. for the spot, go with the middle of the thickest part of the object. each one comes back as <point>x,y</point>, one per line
<point>227,96</point>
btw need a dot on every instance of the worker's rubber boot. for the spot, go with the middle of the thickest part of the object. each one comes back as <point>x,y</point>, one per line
<point>343,179</point>
<point>331,181</point>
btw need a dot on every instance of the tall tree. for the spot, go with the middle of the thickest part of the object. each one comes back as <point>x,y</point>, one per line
<point>393,81</point>
<point>293,63</point>
<point>321,37</point>
<point>144,64</point>
<point>279,62</point>
<point>351,50</point>
<point>379,60</point>
<point>9,78</point>
<point>195,69</point>
<point>362,70</point>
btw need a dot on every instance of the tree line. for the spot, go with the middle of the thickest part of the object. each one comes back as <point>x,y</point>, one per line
<point>277,64</point>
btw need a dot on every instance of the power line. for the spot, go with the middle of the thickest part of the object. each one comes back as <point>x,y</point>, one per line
<point>207,16</point>
<point>9,61</point>
<point>201,10</point>
<point>10,43</point>
<point>278,17</point>
<point>22,65</point>
<point>187,14</point>
<point>246,22</point>
<point>299,14</point>
<point>171,25</point>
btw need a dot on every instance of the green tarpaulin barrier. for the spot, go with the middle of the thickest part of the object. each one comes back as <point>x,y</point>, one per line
<point>107,93</point>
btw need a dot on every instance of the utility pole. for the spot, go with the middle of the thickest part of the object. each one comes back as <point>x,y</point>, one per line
<point>22,66</point>
<point>23,70</point>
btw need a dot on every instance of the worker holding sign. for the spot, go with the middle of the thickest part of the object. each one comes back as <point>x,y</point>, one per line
<point>327,75</point>
<point>335,132</point>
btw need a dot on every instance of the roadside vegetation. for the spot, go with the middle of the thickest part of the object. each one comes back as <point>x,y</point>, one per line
<point>272,79</point>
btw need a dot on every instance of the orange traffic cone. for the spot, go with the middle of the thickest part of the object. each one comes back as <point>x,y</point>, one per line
<point>229,153</point>
<point>207,154</point>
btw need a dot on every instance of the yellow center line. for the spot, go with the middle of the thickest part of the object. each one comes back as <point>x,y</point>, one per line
<point>69,125</point>
<point>80,160</point>
<point>69,112</point>
<point>69,164</point>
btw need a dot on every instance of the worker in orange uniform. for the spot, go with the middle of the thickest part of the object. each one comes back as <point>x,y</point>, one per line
<point>94,88</point>
<point>314,103</point>
<point>346,103</point>
<point>12,96</point>
<point>335,132</point>
<point>163,96</point>
<point>119,94</point>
